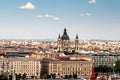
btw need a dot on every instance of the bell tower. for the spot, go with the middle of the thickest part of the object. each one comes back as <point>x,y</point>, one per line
<point>76,42</point>
<point>59,43</point>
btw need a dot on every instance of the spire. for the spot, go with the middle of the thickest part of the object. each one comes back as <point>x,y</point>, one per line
<point>59,36</point>
<point>76,36</point>
<point>65,31</point>
<point>93,75</point>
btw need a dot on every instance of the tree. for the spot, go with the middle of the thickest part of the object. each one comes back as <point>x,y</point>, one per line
<point>70,76</point>
<point>74,75</point>
<point>48,76</point>
<point>103,68</point>
<point>10,77</point>
<point>32,77</point>
<point>44,75</point>
<point>117,66</point>
<point>3,77</point>
<point>53,76</point>
<point>66,76</point>
<point>18,76</point>
<point>24,76</point>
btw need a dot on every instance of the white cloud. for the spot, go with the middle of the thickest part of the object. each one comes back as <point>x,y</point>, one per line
<point>29,5</point>
<point>82,14</point>
<point>55,18</point>
<point>86,14</point>
<point>92,1</point>
<point>40,16</point>
<point>49,17</point>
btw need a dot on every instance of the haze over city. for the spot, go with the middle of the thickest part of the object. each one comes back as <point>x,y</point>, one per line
<point>45,19</point>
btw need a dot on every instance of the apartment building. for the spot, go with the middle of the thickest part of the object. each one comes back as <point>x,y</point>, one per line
<point>4,66</point>
<point>29,66</point>
<point>104,58</point>
<point>63,66</point>
<point>21,65</point>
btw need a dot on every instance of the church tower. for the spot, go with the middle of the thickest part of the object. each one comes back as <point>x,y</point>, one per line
<point>64,42</point>
<point>76,42</point>
<point>59,43</point>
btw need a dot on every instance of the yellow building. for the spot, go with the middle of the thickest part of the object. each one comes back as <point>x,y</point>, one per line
<point>65,66</point>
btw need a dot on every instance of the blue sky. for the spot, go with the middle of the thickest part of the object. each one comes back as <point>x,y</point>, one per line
<point>45,19</point>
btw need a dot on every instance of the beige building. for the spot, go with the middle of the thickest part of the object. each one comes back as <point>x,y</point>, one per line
<point>63,66</point>
<point>4,66</point>
<point>42,55</point>
<point>29,66</point>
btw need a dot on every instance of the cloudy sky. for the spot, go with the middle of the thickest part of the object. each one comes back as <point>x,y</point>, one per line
<point>45,19</point>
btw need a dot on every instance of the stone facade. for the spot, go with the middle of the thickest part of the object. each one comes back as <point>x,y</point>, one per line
<point>29,66</point>
<point>64,44</point>
<point>63,66</point>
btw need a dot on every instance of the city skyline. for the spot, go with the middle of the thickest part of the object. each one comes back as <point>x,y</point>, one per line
<point>45,19</point>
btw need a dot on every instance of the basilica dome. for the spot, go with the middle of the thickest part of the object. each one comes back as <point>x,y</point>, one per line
<point>65,35</point>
